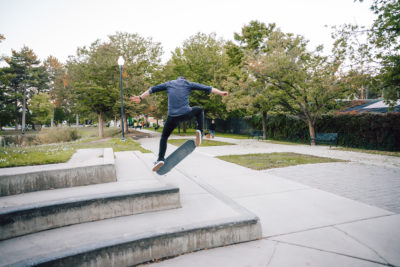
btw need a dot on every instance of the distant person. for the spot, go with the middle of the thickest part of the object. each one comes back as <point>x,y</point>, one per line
<point>178,92</point>
<point>212,128</point>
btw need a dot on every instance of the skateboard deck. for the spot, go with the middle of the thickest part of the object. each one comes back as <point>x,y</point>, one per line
<point>177,156</point>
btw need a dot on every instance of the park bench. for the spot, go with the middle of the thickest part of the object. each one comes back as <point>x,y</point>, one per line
<point>257,133</point>
<point>329,138</point>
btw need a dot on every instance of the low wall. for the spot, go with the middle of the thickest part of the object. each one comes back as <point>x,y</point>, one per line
<point>44,177</point>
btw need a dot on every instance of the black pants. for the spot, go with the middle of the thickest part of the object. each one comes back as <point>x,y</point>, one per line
<point>172,123</point>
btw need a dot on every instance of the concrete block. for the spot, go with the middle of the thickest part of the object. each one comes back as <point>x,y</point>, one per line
<point>44,177</point>
<point>25,219</point>
<point>130,251</point>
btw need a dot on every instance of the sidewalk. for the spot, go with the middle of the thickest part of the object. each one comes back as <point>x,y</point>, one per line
<point>332,214</point>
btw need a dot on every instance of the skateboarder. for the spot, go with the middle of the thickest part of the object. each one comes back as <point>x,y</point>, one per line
<point>178,92</point>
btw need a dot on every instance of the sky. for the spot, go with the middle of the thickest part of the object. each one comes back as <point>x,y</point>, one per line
<point>59,27</point>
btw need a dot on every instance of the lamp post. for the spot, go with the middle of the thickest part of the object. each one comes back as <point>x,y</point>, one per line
<point>121,62</point>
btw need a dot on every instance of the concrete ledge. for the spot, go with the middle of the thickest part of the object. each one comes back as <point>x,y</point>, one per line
<point>26,219</point>
<point>133,250</point>
<point>43,177</point>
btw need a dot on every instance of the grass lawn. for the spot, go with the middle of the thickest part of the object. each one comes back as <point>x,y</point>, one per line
<point>204,142</point>
<point>62,152</point>
<point>35,155</point>
<point>274,160</point>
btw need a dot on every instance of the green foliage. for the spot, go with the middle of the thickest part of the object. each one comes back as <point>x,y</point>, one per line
<point>253,36</point>
<point>249,92</point>
<point>386,28</point>
<point>94,75</point>
<point>7,106</point>
<point>20,80</point>
<point>368,131</point>
<point>96,98</point>
<point>59,115</point>
<point>300,82</point>
<point>201,59</point>
<point>375,51</point>
<point>41,108</point>
<point>142,66</point>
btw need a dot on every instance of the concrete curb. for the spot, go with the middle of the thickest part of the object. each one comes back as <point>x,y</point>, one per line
<point>44,177</point>
<point>136,249</point>
<point>33,218</point>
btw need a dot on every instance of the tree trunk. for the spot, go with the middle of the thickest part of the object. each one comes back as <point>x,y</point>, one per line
<point>77,119</point>
<point>16,112</point>
<point>264,124</point>
<point>362,91</point>
<point>184,126</point>
<point>126,123</point>
<point>101,130</point>
<point>23,113</point>
<point>52,118</point>
<point>312,132</point>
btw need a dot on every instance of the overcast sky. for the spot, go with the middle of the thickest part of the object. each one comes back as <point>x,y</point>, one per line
<point>59,27</point>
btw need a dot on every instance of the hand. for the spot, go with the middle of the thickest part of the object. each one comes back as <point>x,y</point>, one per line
<point>136,99</point>
<point>224,93</point>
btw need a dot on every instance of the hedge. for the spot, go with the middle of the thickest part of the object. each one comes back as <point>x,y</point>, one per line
<point>365,130</point>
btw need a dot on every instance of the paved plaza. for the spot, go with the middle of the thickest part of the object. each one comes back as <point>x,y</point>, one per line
<point>329,214</point>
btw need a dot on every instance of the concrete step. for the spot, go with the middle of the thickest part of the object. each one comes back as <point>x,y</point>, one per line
<point>203,222</point>
<point>136,193</point>
<point>88,166</point>
<point>38,211</point>
<point>207,219</point>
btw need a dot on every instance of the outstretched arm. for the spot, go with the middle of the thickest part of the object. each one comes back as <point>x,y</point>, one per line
<point>219,92</point>
<point>139,98</point>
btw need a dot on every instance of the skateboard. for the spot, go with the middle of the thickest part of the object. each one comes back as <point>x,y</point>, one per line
<point>177,156</point>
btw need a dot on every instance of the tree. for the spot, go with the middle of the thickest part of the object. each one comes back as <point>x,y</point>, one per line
<point>201,59</point>
<point>26,77</point>
<point>142,60</point>
<point>380,46</point>
<point>305,83</point>
<point>41,108</point>
<point>55,71</point>
<point>248,91</point>
<point>6,99</point>
<point>357,57</point>
<point>94,75</point>
<point>385,33</point>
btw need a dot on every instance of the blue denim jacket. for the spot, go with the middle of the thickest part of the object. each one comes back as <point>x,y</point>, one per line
<point>178,92</point>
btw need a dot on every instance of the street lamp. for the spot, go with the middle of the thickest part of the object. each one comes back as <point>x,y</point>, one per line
<point>121,62</point>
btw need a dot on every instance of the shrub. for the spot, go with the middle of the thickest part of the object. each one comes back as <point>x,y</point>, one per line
<point>57,135</point>
<point>363,130</point>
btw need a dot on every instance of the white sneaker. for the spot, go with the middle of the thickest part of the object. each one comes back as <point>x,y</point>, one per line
<point>199,137</point>
<point>157,165</point>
